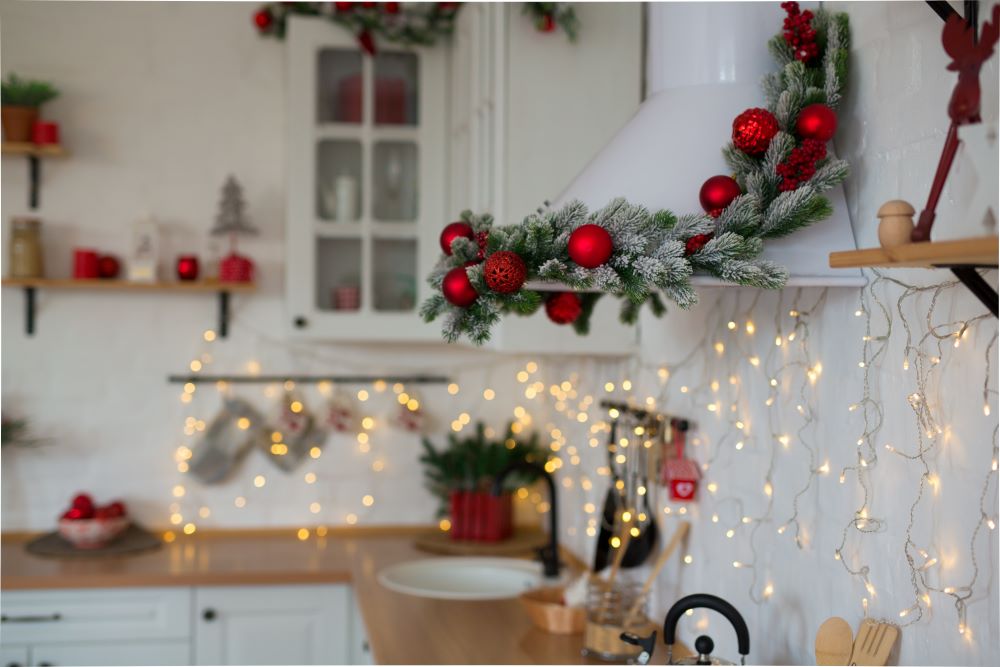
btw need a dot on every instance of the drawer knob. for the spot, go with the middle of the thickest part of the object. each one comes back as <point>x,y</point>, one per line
<point>208,614</point>
<point>301,322</point>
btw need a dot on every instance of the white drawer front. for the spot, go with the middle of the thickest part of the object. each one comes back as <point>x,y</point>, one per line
<point>95,615</point>
<point>111,654</point>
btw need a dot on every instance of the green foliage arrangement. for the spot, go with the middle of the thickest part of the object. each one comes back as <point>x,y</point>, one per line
<point>16,91</point>
<point>655,253</point>
<point>470,463</point>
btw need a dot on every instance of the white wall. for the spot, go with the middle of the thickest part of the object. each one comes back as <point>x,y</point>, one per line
<point>160,103</point>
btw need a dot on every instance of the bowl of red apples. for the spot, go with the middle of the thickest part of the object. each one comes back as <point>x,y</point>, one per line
<point>88,526</point>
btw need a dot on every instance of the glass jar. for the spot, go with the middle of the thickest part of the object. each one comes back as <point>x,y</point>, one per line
<point>25,260</point>
<point>612,610</point>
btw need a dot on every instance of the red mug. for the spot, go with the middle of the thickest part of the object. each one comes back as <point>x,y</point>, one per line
<point>187,267</point>
<point>85,263</point>
<point>45,132</point>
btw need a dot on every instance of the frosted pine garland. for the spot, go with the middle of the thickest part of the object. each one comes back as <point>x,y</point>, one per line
<point>649,260</point>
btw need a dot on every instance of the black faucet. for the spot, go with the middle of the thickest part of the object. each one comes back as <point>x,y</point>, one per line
<point>549,554</point>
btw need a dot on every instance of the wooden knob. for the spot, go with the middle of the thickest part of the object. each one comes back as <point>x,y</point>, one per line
<point>895,223</point>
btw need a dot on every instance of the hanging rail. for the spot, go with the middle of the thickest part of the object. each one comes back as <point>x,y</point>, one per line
<point>307,379</point>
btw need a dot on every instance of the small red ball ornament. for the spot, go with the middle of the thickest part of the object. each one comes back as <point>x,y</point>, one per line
<point>696,243</point>
<point>753,130</point>
<point>590,246</point>
<point>108,266</point>
<point>816,121</point>
<point>187,267</point>
<point>563,307</point>
<point>505,272</point>
<point>717,193</point>
<point>453,231</point>
<point>263,19</point>
<point>546,24</point>
<point>458,289</point>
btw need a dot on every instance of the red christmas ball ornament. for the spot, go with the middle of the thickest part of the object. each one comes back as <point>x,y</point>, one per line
<point>717,193</point>
<point>563,307</point>
<point>590,246</point>
<point>108,266</point>
<point>83,502</point>
<point>753,130</point>
<point>343,6</point>
<point>187,267</point>
<point>263,19</point>
<point>696,243</point>
<point>458,289</point>
<point>390,7</point>
<point>454,231</point>
<point>547,23</point>
<point>505,272</point>
<point>816,121</point>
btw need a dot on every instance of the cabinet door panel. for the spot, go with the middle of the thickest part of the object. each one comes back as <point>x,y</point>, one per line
<point>14,656</point>
<point>113,653</point>
<point>272,625</point>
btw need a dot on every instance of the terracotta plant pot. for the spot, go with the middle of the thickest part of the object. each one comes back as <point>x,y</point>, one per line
<point>17,122</point>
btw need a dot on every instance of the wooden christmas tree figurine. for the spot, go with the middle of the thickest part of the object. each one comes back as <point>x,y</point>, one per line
<point>232,220</point>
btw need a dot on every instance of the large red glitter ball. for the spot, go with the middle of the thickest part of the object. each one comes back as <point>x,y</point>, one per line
<point>505,272</point>
<point>453,231</point>
<point>458,289</point>
<point>590,246</point>
<point>753,130</point>
<point>717,193</point>
<point>816,121</point>
<point>563,307</point>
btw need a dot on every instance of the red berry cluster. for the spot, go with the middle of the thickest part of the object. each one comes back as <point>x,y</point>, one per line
<point>696,243</point>
<point>799,33</point>
<point>800,166</point>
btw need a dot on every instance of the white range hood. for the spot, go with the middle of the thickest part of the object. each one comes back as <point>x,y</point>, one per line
<point>704,63</point>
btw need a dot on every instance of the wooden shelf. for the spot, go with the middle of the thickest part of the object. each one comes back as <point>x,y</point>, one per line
<point>221,289</point>
<point>980,251</point>
<point>34,150</point>
<point>126,285</point>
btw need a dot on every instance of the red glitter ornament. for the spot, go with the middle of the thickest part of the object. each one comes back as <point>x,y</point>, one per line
<point>816,121</point>
<point>452,232</point>
<point>798,32</point>
<point>800,165</point>
<point>458,289</point>
<point>753,130</point>
<point>563,307</point>
<point>590,246</point>
<point>482,238</point>
<point>505,272</point>
<point>696,243</point>
<point>263,19</point>
<point>717,193</point>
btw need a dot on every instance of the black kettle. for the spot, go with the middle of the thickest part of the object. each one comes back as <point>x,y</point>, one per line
<point>703,645</point>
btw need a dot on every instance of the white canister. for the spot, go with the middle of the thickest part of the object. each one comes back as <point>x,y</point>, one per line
<point>346,198</point>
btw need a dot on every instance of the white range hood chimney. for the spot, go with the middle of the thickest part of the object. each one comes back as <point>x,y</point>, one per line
<point>704,63</point>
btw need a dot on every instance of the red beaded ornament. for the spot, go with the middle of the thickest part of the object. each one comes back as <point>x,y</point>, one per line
<point>453,231</point>
<point>753,130</point>
<point>800,165</point>
<point>816,121</point>
<point>505,272</point>
<point>696,243</point>
<point>590,246</point>
<point>798,32</point>
<point>482,238</point>
<point>717,193</point>
<point>458,289</point>
<point>563,307</point>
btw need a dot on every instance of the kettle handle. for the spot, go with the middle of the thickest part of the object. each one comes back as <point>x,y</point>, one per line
<point>714,603</point>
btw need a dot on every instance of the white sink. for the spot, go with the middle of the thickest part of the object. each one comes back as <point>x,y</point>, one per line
<point>463,578</point>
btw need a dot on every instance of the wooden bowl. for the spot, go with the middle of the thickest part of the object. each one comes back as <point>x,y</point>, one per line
<point>546,610</point>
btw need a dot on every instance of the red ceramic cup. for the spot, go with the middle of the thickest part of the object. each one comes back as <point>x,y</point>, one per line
<point>187,267</point>
<point>85,263</point>
<point>45,132</point>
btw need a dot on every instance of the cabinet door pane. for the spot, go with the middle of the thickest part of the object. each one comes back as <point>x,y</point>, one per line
<point>338,274</point>
<point>339,90</point>
<point>396,84</point>
<point>338,178</point>
<point>395,274</point>
<point>394,195</point>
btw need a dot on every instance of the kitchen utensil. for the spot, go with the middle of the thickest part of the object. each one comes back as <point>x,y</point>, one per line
<point>664,556</point>
<point>607,607</point>
<point>609,515</point>
<point>547,609</point>
<point>834,642</point>
<point>625,537</point>
<point>703,644</point>
<point>873,643</point>
<point>643,544</point>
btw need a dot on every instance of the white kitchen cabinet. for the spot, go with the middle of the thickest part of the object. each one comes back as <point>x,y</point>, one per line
<point>366,168</point>
<point>13,656</point>
<point>272,625</point>
<point>112,653</point>
<point>528,111</point>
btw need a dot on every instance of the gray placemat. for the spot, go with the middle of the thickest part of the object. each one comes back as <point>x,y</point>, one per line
<point>132,540</point>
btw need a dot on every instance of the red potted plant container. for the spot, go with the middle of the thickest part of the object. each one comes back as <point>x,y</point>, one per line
<point>480,516</point>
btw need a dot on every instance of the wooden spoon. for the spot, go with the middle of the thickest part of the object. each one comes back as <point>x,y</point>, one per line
<point>664,556</point>
<point>834,642</point>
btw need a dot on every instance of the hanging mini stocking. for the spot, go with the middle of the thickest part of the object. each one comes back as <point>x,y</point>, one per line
<point>294,432</point>
<point>410,416</point>
<point>341,413</point>
<point>232,433</point>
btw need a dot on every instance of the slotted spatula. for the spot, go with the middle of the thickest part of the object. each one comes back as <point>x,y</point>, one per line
<point>874,643</point>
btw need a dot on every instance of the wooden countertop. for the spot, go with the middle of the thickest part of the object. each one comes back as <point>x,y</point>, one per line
<point>402,629</point>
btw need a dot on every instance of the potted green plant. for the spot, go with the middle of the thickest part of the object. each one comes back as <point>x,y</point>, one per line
<point>20,99</point>
<point>462,474</point>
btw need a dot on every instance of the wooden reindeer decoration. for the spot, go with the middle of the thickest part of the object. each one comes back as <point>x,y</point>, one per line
<point>968,55</point>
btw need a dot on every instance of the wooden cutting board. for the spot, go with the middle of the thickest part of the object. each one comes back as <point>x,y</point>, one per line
<point>523,541</point>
